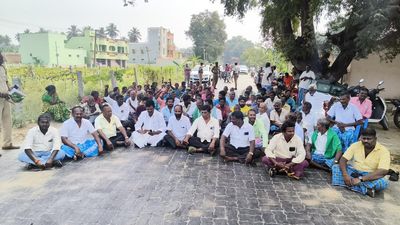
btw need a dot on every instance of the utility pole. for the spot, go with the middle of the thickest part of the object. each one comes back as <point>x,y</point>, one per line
<point>56,53</point>
<point>94,48</point>
<point>204,54</point>
<point>148,57</point>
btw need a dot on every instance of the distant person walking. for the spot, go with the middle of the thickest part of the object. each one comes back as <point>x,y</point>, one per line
<point>5,109</point>
<point>236,71</point>
<point>187,71</point>
<point>200,72</point>
<point>215,70</point>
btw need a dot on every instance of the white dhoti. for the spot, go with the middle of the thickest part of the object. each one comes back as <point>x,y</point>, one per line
<point>142,140</point>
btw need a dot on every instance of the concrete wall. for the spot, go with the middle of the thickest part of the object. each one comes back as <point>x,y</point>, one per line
<point>373,70</point>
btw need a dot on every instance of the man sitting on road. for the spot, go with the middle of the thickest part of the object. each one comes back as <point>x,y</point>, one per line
<point>120,109</point>
<point>285,153</point>
<point>324,148</point>
<point>260,133</point>
<point>363,104</point>
<point>317,100</point>
<point>370,164</point>
<point>277,116</point>
<point>42,146</point>
<point>75,136</point>
<point>309,121</point>
<point>345,116</point>
<point>263,116</point>
<point>107,124</point>
<point>241,145</point>
<point>231,100</point>
<point>150,127</point>
<point>243,107</point>
<point>207,129</point>
<point>168,110</point>
<point>178,126</point>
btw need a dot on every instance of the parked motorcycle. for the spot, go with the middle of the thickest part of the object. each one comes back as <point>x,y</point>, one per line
<point>379,107</point>
<point>396,112</point>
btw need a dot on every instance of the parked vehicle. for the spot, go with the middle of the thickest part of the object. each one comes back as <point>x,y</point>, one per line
<point>244,69</point>
<point>396,112</point>
<point>207,74</point>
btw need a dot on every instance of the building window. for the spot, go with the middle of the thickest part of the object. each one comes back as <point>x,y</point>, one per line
<point>141,51</point>
<point>77,56</point>
<point>111,48</point>
<point>30,54</point>
<point>142,59</point>
<point>69,55</point>
<point>133,51</point>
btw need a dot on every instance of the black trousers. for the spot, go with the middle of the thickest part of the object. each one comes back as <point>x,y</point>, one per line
<point>114,140</point>
<point>241,153</point>
<point>169,140</point>
<point>197,143</point>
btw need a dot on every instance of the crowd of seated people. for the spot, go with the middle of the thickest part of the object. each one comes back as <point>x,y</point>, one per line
<point>286,131</point>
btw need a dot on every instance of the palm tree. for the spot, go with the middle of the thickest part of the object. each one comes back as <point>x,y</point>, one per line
<point>112,30</point>
<point>73,31</point>
<point>27,31</point>
<point>42,30</point>
<point>101,32</point>
<point>134,35</point>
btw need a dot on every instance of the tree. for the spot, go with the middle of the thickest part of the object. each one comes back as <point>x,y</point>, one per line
<point>112,31</point>
<point>6,45</point>
<point>207,31</point>
<point>42,30</point>
<point>101,32</point>
<point>73,31</point>
<point>85,28</point>
<point>27,31</point>
<point>134,35</point>
<point>234,48</point>
<point>357,28</point>
<point>258,56</point>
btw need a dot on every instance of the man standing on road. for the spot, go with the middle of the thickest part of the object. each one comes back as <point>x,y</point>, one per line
<point>187,73</point>
<point>306,78</point>
<point>5,109</point>
<point>200,73</point>
<point>215,70</point>
<point>236,71</point>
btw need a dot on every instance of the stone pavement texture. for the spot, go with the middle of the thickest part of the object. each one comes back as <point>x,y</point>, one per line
<point>163,186</point>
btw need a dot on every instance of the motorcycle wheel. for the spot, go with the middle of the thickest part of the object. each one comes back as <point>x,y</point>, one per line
<point>396,118</point>
<point>384,123</point>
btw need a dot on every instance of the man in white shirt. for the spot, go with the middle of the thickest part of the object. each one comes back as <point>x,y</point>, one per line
<point>317,100</point>
<point>215,112</point>
<point>76,135</point>
<point>236,71</point>
<point>241,145</point>
<point>207,129</point>
<point>150,127</point>
<point>188,106</point>
<point>267,77</point>
<point>120,109</point>
<point>107,124</point>
<point>178,126</point>
<point>277,116</point>
<point>345,116</point>
<point>270,100</point>
<point>263,116</point>
<point>132,102</point>
<point>42,146</point>
<point>306,78</point>
<point>286,153</point>
<point>309,121</point>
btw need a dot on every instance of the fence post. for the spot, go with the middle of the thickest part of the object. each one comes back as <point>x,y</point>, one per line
<point>113,80</point>
<point>80,84</point>
<point>135,75</point>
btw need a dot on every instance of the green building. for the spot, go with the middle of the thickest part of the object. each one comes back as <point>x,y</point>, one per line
<point>48,49</point>
<point>53,49</point>
<point>105,51</point>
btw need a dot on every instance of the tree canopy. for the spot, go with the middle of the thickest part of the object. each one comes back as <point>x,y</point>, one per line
<point>356,28</point>
<point>207,31</point>
<point>234,48</point>
<point>257,56</point>
<point>134,35</point>
<point>112,31</point>
<point>73,31</point>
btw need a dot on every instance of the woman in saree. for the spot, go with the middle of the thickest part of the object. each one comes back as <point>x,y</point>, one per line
<point>54,106</point>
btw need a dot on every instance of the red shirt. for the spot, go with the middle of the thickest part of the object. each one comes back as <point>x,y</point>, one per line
<point>288,81</point>
<point>225,111</point>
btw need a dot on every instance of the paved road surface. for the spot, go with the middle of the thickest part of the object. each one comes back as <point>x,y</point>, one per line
<point>163,186</point>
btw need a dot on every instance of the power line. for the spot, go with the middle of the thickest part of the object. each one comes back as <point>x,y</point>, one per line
<point>24,24</point>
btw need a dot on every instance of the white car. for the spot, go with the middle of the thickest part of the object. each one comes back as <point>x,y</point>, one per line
<point>244,69</point>
<point>207,74</point>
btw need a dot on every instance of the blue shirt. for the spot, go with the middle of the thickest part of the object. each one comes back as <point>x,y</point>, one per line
<point>232,103</point>
<point>167,113</point>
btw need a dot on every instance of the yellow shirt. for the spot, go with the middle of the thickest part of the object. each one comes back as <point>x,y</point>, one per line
<point>379,158</point>
<point>244,110</point>
<point>108,128</point>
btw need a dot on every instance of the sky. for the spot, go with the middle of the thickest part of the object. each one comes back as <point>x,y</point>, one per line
<point>175,15</point>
